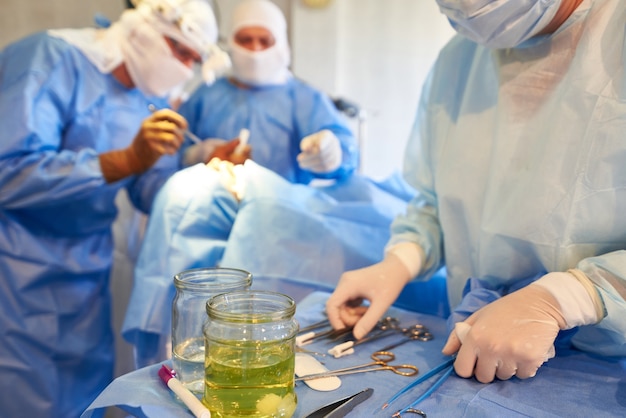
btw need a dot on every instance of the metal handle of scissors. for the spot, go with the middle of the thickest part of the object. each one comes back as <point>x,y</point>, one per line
<point>316,325</point>
<point>383,327</point>
<point>308,337</point>
<point>381,360</point>
<point>415,335</point>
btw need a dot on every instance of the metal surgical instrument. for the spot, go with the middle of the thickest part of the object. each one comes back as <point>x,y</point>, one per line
<point>308,337</point>
<point>316,325</point>
<point>194,138</point>
<point>381,362</point>
<point>341,407</point>
<point>415,332</point>
<point>412,411</point>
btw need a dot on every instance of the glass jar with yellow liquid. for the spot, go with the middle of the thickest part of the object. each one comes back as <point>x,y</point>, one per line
<point>250,355</point>
<point>194,288</point>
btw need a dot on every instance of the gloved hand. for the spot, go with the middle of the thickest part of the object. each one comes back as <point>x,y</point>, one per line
<point>160,133</point>
<point>201,152</point>
<point>321,152</point>
<point>232,152</point>
<point>212,148</point>
<point>380,283</point>
<point>514,335</point>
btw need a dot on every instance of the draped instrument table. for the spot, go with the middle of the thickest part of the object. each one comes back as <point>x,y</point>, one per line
<point>573,384</point>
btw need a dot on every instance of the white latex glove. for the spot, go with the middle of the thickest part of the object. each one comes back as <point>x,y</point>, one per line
<point>201,152</point>
<point>380,284</point>
<point>514,335</point>
<point>321,152</point>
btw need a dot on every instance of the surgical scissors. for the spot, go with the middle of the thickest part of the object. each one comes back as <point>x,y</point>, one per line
<point>417,332</point>
<point>381,362</point>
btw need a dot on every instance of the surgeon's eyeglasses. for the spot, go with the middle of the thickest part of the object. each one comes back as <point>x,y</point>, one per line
<point>183,53</point>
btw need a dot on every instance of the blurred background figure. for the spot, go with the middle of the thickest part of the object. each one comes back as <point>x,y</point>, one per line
<point>75,105</point>
<point>294,129</point>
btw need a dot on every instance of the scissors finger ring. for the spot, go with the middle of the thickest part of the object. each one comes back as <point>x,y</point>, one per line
<point>411,411</point>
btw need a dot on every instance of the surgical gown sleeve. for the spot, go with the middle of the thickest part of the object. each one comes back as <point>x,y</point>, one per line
<point>36,166</point>
<point>608,337</point>
<point>63,113</point>
<point>420,223</point>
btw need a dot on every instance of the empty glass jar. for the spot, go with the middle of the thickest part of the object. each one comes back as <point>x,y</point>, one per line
<point>193,289</point>
<point>250,355</point>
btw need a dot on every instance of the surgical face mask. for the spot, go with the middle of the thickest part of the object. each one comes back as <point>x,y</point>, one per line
<point>151,64</point>
<point>259,68</point>
<point>499,23</point>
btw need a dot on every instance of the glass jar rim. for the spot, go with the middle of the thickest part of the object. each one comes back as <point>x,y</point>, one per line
<point>213,279</point>
<point>251,306</point>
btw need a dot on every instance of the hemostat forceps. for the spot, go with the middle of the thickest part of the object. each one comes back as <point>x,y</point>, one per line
<point>381,362</point>
<point>415,332</point>
<point>308,337</point>
<point>193,137</point>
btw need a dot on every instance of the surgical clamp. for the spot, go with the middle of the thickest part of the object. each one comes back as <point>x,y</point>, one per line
<point>381,362</point>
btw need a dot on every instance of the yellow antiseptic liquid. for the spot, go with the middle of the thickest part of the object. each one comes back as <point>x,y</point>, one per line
<point>250,379</point>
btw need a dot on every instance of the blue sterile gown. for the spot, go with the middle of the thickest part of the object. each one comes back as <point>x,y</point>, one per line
<point>58,113</point>
<point>278,118</point>
<point>519,159</point>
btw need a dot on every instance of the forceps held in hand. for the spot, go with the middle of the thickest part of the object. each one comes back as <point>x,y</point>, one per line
<point>193,137</point>
<point>381,362</point>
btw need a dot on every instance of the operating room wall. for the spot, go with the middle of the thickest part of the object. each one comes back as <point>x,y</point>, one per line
<point>22,17</point>
<point>376,54</point>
